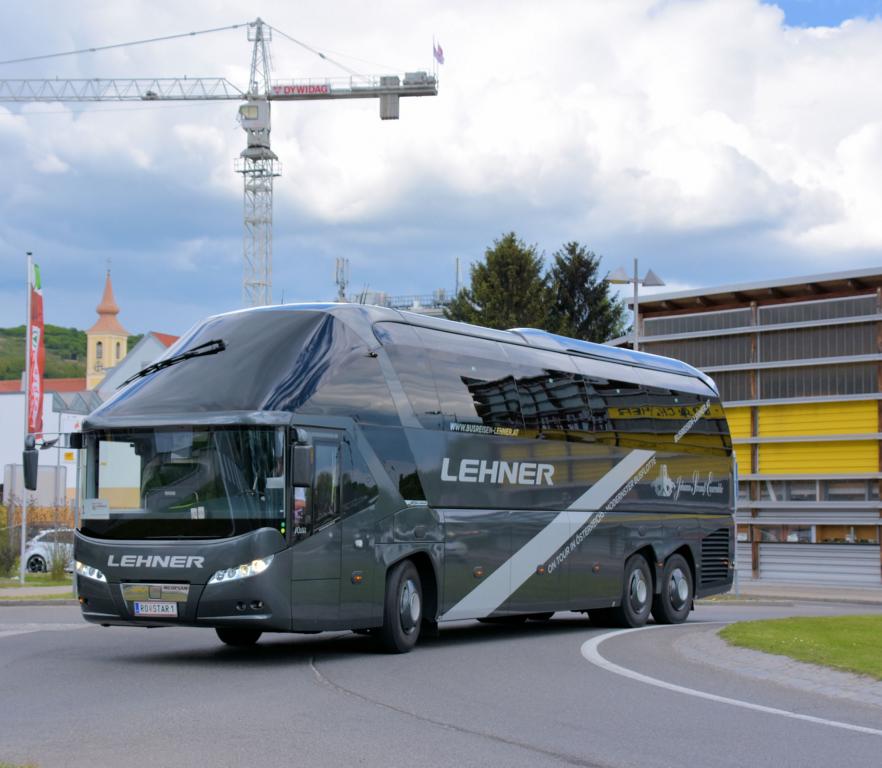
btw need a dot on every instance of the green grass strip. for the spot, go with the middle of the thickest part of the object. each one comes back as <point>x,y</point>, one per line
<point>850,643</point>
<point>36,580</point>
<point>55,596</point>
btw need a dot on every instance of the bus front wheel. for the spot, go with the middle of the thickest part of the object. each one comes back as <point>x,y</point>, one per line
<point>633,611</point>
<point>402,610</point>
<point>672,604</point>
<point>239,637</point>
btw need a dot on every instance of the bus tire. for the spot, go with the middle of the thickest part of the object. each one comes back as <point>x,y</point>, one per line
<point>636,603</point>
<point>402,610</point>
<point>238,637</point>
<point>671,605</point>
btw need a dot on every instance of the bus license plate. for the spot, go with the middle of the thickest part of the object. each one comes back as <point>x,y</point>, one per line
<point>156,609</point>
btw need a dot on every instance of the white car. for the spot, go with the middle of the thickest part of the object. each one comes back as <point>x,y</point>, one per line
<point>40,550</point>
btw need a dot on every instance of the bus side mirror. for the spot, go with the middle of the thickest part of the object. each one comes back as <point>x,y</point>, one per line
<point>301,466</point>
<point>29,461</point>
<point>75,440</point>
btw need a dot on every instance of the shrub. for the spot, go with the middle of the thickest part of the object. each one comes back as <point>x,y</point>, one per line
<point>59,557</point>
<point>9,546</point>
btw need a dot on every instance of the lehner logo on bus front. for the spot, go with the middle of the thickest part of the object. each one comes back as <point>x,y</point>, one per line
<point>156,561</point>
<point>481,471</point>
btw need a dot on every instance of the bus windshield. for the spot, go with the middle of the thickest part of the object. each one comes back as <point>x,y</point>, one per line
<point>183,483</point>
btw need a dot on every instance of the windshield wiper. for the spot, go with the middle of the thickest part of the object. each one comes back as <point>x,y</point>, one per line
<point>208,348</point>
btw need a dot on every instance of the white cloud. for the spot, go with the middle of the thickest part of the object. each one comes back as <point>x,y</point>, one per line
<point>682,121</point>
<point>51,164</point>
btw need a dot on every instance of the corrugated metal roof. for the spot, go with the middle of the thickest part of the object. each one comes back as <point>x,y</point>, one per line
<point>765,291</point>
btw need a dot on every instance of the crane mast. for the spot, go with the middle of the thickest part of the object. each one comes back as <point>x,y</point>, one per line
<point>257,163</point>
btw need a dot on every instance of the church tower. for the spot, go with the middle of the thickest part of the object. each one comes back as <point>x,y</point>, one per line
<point>107,340</point>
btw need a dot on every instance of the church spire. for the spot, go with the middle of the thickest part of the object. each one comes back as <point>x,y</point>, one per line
<point>107,311</point>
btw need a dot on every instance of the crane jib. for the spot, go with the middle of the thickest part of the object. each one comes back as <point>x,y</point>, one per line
<point>257,163</point>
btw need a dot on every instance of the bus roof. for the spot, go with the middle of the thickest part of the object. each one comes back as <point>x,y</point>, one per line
<point>531,337</point>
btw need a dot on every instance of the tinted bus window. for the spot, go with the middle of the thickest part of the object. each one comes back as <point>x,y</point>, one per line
<point>623,396</point>
<point>685,414</point>
<point>324,493</point>
<point>411,364</point>
<point>475,383</point>
<point>394,452</point>
<point>358,488</point>
<point>556,402</point>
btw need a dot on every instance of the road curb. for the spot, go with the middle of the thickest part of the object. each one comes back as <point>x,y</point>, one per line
<point>837,600</point>
<point>60,601</point>
<point>765,603</point>
<point>708,648</point>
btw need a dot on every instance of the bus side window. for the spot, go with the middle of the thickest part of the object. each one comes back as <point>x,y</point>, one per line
<point>555,400</point>
<point>411,365</point>
<point>358,489</point>
<point>686,414</point>
<point>475,381</point>
<point>326,485</point>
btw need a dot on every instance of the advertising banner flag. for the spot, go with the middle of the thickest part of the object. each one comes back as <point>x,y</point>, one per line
<point>37,355</point>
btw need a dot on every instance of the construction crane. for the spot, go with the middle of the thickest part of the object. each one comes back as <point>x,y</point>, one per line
<point>257,163</point>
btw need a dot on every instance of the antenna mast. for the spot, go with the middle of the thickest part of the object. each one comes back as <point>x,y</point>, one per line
<point>342,278</point>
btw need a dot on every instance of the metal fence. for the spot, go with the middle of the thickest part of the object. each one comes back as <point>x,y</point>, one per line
<point>817,564</point>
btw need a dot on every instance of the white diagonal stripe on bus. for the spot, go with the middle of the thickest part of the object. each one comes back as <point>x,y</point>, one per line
<point>511,575</point>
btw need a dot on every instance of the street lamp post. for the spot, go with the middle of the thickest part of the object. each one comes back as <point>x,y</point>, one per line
<point>620,277</point>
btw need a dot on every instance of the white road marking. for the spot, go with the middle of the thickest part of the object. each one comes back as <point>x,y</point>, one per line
<point>590,650</point>
<point>10,630</point>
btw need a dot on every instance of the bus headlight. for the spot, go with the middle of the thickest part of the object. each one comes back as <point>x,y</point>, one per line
<point>89,572</point>
<point>242,571</point>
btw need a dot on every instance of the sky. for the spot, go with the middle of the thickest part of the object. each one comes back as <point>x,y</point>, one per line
<point>718,141</point>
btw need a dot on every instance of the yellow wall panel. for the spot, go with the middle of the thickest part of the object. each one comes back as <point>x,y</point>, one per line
<point>742,456</point>
<point>819,458</point>
<point>739,421</point>
<point>844,418</point>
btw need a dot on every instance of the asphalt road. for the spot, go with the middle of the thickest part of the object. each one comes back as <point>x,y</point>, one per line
<point>76,695</point>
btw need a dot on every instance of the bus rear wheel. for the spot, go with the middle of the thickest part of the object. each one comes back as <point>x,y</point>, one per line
<point>636,603</point>
<point>673,603</point>
<point>239,637</point>
<point>403,609</point>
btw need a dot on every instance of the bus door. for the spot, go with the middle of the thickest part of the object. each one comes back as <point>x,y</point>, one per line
<point>362,582</point>
<point>315,533</point>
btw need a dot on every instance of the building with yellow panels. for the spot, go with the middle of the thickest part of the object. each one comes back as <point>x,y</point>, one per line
<point>799,367</point>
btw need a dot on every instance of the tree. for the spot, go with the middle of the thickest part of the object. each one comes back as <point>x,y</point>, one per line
<point>580,302</point>
<point>507,289</point>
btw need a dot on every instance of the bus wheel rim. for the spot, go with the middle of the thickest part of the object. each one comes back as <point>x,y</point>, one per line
<point>638,590</point>
<point>409,606</point>
<point>678,588</point>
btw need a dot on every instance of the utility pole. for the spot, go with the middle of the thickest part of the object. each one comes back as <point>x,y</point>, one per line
<point>620,277</point>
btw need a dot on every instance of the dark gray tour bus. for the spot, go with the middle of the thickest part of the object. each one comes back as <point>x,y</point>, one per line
<point>330,466</point>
